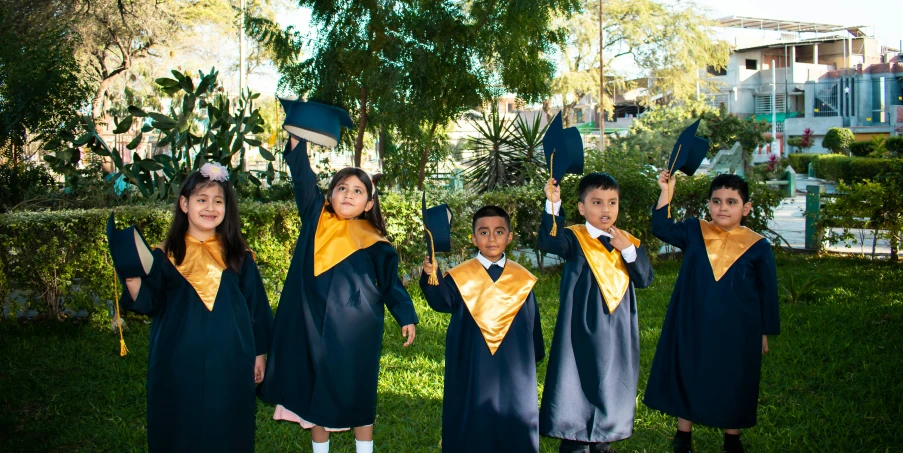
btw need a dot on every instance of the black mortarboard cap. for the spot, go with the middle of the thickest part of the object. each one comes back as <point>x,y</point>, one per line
<point>315,122</point>
<point>132,257</point>
<point>689,151</point>
<point>567,146</point>
<point>438,221</point>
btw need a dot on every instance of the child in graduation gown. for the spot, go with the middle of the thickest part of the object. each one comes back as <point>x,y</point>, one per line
<point>324,360</point>
<point>210,324</point>
<point>492,345</point>
<point>724,306</point>
<point>589,398</point>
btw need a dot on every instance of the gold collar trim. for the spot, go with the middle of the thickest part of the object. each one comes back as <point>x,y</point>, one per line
<point>202,267</point>
<point>726,247</point>
<point>336,239</point>
<point>493,305</point>
<point>608,268</point>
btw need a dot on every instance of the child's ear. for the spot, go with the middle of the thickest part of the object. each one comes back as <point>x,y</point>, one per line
<point>747,208</point>
<point>580,208</point>
<point>473,239</point>
<point>183,204</point>
<point>510,237</point>
<point>368,206</point>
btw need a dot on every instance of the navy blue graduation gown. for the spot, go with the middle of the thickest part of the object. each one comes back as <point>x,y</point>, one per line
<point>324,359</point>
<point>594,362</point>
<point>200,378</point>
<point>709,356</point>
<point>489,403</point>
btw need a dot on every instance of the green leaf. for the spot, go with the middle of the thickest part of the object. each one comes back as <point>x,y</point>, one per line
<point>135,142</point>
<point>135,111</point>
<point>166,82</point>
<point>124,125</point>
<point>163,158</point>
<point>161,117</point>
<point>150,165</point>
<point>83,139</point>
<point>266,154</point>
<point>147,127</point>
<point>252,141</point>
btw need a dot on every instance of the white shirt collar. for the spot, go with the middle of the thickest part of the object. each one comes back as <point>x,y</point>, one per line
<point>595,232</point>
<point>486,263</point>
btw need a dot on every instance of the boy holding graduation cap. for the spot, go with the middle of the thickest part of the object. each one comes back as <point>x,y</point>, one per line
<point>724,305</point>
<point>589,399</point>
<point>493,341</point>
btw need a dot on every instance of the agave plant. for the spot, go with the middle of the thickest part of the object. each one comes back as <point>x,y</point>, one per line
<point>494,164</point>
<point>526,138</point>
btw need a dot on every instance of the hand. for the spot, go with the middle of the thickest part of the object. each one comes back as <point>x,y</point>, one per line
<point>618,239</point>
<point>764,344</point>
<point>666,181</point>
<point>409,332</point>
<point>552,190</point>
<point>260,365</point>
<point>427,267</point>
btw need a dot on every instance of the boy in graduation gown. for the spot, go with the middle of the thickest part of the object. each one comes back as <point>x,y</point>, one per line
<point>492,345</point>
<point>589,399</point>
<point>724,306</point>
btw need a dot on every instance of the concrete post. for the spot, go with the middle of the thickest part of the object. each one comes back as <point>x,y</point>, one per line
<point>813,205</point>
<point>815,54</point>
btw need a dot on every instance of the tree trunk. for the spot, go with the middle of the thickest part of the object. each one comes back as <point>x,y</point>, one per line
<point>381,147</point>
<point>424,158</point>
<point>359,145</point>
<point>97,103</point>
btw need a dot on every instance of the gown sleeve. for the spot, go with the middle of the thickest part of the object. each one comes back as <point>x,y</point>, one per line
<point>255,295</point>
<point>151,298</point>
<point>559,244</point>
<point>539,345</point>
<point>442,297</point>
<point>394,294</point>
<point>669,231</point>
<point>766,274</point>
<point>640,270</point>
<point>307,193</point>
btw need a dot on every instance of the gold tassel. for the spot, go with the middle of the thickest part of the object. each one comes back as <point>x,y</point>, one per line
<point>122,349</point>
<point>433,278</point>
<point>554,231</point>
<point>671,175</point>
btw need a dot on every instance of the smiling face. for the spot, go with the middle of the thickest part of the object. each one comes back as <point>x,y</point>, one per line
<point>491,236</point>
<point>349,198</point>
<point>206,209</point>
<point>600,207</point>
<point>727,208</point>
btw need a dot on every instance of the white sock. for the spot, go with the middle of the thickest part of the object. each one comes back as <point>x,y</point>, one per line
<point>364,446</point>
<point>321,447</point>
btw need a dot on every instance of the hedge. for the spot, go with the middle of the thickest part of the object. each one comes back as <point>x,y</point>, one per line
<point>837,167</point>
<point>45,253</point>
<point>800,161</point>
<point>861,149</point>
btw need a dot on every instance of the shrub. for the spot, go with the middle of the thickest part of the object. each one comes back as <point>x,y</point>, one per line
<point>851,169</point>
<point>800,162</point>
<point>838,139</point>
<point>894,146</point>
<point>861,149</point>
<point>21,182</point>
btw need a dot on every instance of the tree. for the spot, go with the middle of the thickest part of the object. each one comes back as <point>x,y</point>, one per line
<point>432,59</point>
<point>39,81</point>
<point>838,139</point>
<point>669,44</point>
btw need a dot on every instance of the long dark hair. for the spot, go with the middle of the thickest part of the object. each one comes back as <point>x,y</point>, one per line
<point>229,231</point>
<point>374,215</point>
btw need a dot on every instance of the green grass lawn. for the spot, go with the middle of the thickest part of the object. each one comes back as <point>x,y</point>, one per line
<point>832,382</point>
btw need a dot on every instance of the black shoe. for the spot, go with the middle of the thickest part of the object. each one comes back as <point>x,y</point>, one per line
<point>732,445</point>
<point>602,447</point>
<point>683,444</point>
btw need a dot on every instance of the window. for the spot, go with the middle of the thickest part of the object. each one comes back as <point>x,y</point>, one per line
<point>752,64</point>
<point>716,71</point>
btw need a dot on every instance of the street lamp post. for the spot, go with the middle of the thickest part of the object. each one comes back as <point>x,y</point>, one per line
<point>601,84</point>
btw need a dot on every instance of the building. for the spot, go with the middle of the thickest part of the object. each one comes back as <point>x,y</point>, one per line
<point>810,75</point>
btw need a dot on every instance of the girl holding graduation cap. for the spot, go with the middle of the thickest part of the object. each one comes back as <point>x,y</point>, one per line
<point>324,360</point>
<point>210,324</point>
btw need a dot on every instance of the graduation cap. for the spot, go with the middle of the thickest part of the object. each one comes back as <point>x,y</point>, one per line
<point>564,153</point>
<point>315,122</point>
<point>132,256</point>
<point>687,155</point>
<point>437,222</point>
<point>567,147</point>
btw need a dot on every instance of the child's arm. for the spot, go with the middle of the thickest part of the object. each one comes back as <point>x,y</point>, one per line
<point>145,295</point>
<point>394,295</point>
<point>663,227</point>
<point>442,297</point>
<point>307,193</point>
<point>539,345</point>
<point>553,215</point>
<point>767,277</point>
<point>638,266</point>
<point>251,286</point>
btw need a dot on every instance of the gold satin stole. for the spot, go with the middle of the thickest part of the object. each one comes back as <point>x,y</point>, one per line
<point>336,239</point>
<point>493,305</point>
<point>608,268</point>
<point>726,247</point>
<point>202,267</point>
